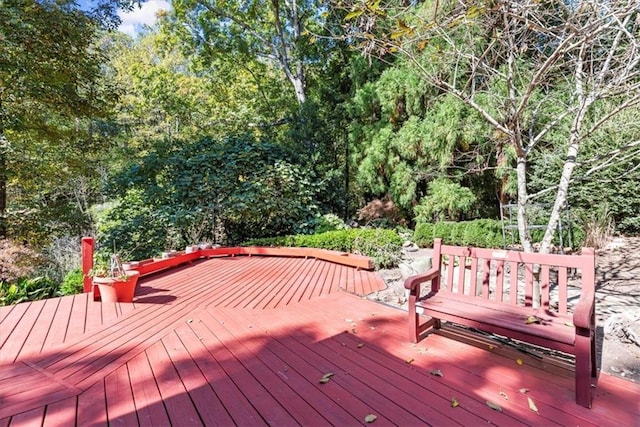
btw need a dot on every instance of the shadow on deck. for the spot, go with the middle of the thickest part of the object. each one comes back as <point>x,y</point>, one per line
<point>246,341</point>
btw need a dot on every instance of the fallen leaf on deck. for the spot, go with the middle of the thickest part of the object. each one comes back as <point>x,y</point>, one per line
<point>491,347</point>
<point>524,390</point>
<point>503,394</point>
<point>569,324</point>
<point>532,319</point>
<point>361,345</point>
<point>437,373</point>
<point>410,360</point>
<point>353,331</point>
<point>370,418</point>
<point>532,405</point>
<point>348,320</point>
<point>326,377</point>
<point>454,402</point>
<point>520,362</point>
<point>494,406</point>
<point>190,320</point>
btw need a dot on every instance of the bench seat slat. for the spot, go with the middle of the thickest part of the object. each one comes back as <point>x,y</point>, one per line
<point>494,317</point>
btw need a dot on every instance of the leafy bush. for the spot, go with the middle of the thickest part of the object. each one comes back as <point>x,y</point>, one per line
<point>73,283</point>
<point>382,245</point>
<point>482,233</point>
<point>446,199</point>
<point>328,222</point>
<point>27,290</point>
<point>423,235</point>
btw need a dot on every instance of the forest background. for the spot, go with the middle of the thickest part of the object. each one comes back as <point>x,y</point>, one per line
<point>233,120</point>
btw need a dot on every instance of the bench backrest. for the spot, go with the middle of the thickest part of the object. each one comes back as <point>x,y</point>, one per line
<point>550,281</point>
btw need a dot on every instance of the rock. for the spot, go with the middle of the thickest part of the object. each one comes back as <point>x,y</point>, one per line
<point>417,266</point>
<point>623,326</point>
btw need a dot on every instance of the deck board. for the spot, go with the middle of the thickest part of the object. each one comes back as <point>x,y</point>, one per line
<point>245,340</point>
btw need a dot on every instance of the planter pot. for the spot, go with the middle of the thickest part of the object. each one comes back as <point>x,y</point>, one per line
<point>115,289</point>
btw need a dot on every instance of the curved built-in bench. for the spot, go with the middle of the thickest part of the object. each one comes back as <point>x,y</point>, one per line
<point>153,265</point>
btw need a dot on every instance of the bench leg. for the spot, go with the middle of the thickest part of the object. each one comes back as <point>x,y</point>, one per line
<point>414,320</point>
<point>585,365</point>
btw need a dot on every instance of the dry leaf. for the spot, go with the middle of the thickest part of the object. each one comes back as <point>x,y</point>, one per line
<point>569,324</point>
<point>348,320</point>
<point>503,394</point>
<point>494,406</point>
<point>326,377</point>
<point>370,418</point>
<point>533,406</point>
<point>532,319</point>
<point>491,347</point>
<point>454,402</point>
<point>360,345</point>
<point>524,390</point>
<point>410,360</point>
<point>353,331</point>
<point>520,362</point>
<point>437,373</point>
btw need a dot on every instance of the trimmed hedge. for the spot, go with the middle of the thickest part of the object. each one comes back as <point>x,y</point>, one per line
<point>482,233</point>
<point>382,245</point>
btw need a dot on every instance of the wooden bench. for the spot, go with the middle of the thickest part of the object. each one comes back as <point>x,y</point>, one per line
<point>495,291</point>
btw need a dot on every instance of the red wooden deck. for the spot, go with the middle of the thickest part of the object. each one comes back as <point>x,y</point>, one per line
<point>246,340</point>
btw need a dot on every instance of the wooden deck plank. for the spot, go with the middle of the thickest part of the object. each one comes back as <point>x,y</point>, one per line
<point>12,347</point>
<point>296,274</point>
<point>9,323</point>
<point>279,388</point>
<point>302,369</point>
<point>92,406</point>
<point>61,320</point>
<point>256,393</point>
<point>174,395</point>
<point>257,284</point>
<point>30,418</point>
<point>148,401</point>
<point>209,406</point>
<point>78,317</point>
<point>236,404</point>
<point>121,408</point>
<point>338,333</point>
<point>61,413</point>
<point>34,342</point>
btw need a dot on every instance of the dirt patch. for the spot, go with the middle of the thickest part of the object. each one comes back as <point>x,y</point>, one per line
<point>617,303</point>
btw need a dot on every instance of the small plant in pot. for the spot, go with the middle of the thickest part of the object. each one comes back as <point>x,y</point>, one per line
<point>115,284</point>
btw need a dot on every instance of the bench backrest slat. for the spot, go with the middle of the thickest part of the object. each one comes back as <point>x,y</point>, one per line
<point>562,290</point>
<point>513,283</point>
<point>513,277</point>
<point>545,286</point>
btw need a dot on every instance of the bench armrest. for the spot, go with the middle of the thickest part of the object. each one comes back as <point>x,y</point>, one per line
<point>583,313</point>
<point>413,282</point>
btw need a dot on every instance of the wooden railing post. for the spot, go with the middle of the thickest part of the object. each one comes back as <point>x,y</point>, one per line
<point>87,261</point>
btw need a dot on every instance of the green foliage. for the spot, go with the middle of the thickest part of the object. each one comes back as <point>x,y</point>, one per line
<point>482,233</point>
<point>29,289</point>
<point>73,283</point>
<point>327,222</point>
<point>445,200</point>
<point>382,245</point>
<point>218,191</point>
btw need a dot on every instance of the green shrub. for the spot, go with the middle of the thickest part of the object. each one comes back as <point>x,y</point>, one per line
<point>382,245</point>
<point>443,230</point>
<point>31,289</point>
<point>482,233</point>
<point>73,283</point>
<point>423,235</point>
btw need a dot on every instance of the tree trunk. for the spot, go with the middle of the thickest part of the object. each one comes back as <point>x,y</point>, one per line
<point>523,223</point>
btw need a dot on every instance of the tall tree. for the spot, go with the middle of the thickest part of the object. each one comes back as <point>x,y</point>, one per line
<point>504,58</point>
<point>47,72</point>
<point>271,30</point>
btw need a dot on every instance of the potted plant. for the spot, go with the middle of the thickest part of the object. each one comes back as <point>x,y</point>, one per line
<point>114,282</point>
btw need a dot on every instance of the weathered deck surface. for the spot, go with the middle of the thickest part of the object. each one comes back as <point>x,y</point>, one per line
<point>245,341</point>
